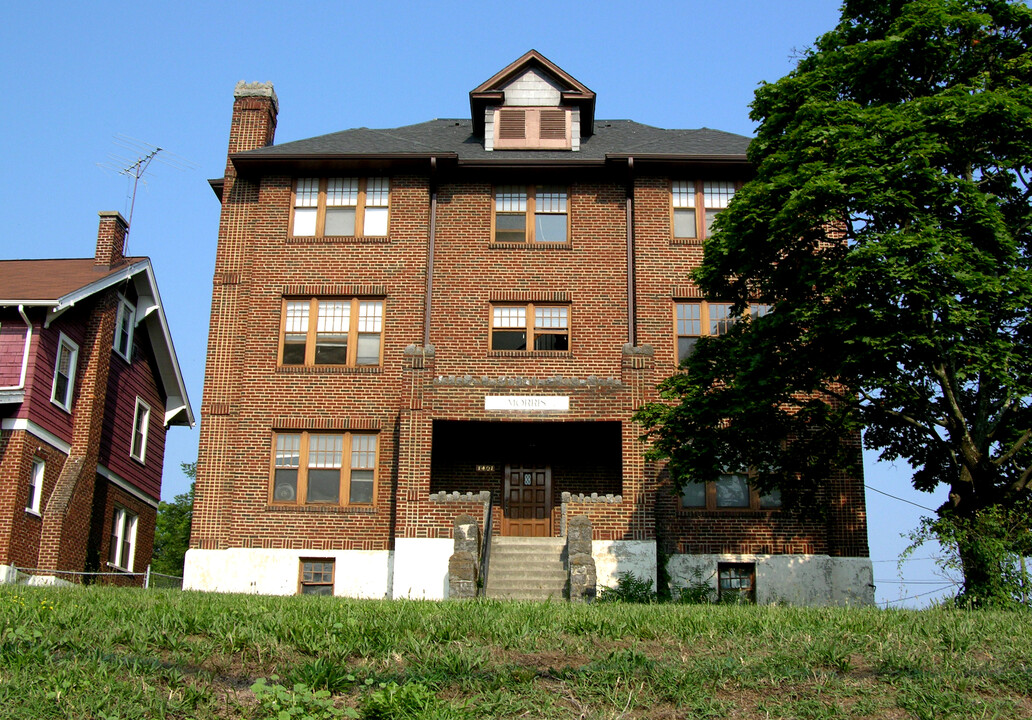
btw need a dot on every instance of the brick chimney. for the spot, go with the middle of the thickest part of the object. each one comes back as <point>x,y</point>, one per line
<point>111,239</point>
<point>255,107</point>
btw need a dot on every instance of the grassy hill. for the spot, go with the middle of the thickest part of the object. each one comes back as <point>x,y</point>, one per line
<point>124,653</point>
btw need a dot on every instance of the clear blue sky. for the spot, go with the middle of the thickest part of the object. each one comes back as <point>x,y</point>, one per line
<point>75,76</point>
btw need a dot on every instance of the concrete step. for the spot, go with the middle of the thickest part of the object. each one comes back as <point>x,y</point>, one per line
<point>527,568</point>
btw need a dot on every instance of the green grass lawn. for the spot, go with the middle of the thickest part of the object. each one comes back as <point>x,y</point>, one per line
<point>125,653</point>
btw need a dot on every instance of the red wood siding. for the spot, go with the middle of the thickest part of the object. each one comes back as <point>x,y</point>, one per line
<point>126,382</point>
<point>37,406</point>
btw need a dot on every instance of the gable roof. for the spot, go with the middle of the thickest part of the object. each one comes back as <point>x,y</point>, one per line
<point>59,284</point>
<point>572,91</point>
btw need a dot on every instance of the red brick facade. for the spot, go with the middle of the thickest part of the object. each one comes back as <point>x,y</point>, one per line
<point>427,403</point>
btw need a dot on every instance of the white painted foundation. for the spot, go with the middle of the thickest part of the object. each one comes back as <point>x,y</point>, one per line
<point>357,573</point>
<point>792,579</point>
<point>613,557</point>
<point>421,568</point>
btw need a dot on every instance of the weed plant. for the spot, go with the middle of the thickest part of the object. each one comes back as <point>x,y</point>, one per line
<point>125,653</point>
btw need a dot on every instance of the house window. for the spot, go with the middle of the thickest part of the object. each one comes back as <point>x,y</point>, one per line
<point>124,324</point>
<point>324,468</point>
<point>536,327</point>
<point>536,213</point>
<point>123,539</point>
<point>695,204</point>
<point>316,331</point>
<point>344,207</point>
<point>141,423</point>
<point>316,577</point>
<point>529,128</point>
<point>729,492</point>
<point>692,320</point>
<point>736,582</point>
<point>64,373</point>
<point>35,486</point>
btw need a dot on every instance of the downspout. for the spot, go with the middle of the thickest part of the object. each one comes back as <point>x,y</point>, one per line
<point>25,352</point>
<point>632,329</point>
<point>428,300</point>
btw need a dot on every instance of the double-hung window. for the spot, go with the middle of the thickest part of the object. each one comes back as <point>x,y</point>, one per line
<point>141,424</point>
<point>695,204</point>
<point>36,475</point>
<point>332,331</point>
<point>315,468</point>
<point>124,324</point>
<point>728,492</point>
<point>64,373</point>
<point>695,319</point>
<point>122,550</point>
<point>530,327</point>
<point>698,318</point>
<point>340,207</point>
<point>531,214</point>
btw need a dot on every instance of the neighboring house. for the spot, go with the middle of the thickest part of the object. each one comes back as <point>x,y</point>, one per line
<point>89,381</point>
<point>418,323</point>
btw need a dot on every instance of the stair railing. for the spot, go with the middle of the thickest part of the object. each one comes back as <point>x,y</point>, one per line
<point>485,547</point>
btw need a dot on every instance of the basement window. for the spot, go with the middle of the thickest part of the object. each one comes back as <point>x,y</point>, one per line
<point>316,577</point>
<point>737,583</point>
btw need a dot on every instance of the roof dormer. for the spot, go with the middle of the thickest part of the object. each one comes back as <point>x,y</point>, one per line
<point>532,104</point>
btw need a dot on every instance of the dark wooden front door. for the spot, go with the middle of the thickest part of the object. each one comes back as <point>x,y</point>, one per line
<point>528,501</point>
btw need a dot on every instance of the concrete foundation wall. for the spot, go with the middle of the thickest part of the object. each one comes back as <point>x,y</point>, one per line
<point>792,579</point>
<point>357,573</point>
<point>613,557</point>
<point>421,568</point>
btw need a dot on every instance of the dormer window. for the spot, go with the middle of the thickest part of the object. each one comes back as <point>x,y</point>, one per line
<point>530,128</point>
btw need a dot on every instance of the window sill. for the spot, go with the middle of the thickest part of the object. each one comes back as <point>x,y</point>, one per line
<point>695,242</point>
<point>139,461</point>
<point>33,513</point>
<point>119,568</point>
<point>566,354</point>
<point>529,246</point>
<point>61,407</point>
<point>127,361</point>
<point>329,369</point>
<point>331,509</point>
<point>337,239</point>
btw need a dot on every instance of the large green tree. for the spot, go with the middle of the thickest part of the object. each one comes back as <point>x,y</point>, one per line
<point>889,225</point>
<point>172,528</point>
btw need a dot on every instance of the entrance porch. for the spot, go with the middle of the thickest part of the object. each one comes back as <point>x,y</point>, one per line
<point>527,466</point>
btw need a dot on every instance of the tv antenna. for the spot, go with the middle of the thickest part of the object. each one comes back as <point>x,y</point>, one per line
<point>134,169</point>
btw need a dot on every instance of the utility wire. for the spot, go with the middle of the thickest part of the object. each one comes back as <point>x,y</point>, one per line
<point>913,597</point>
<point>894,497</point>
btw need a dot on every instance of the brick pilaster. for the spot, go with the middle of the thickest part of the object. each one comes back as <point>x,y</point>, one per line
<point>252,126</point>
<point>66,520</point>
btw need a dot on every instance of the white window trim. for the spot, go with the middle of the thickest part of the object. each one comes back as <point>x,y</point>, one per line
<point>140,453</point>
<point>124,306</point>
<point>38,473</point>
<point>66,402</point>
<point>124,523</point>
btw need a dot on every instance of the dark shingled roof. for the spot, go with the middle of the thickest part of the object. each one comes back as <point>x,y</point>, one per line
<point>454,136</point>
<point>45,281</point>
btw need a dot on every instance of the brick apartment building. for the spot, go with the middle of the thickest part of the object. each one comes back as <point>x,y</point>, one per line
<point>89,382</point>
<point>459,317</point>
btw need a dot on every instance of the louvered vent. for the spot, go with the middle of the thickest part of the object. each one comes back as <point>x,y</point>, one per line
<point>553,125</point>
<point>530,128</point>
<point>512,124</point>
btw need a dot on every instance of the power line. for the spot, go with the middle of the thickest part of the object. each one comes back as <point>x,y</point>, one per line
<point>914,597</point>
<point>894,497</point>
